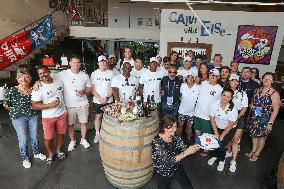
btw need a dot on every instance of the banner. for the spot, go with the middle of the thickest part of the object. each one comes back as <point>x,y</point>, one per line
<point>18,46</point>
<point>254,44</point>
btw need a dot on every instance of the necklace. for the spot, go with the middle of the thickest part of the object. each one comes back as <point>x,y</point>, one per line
<point>25,92</point>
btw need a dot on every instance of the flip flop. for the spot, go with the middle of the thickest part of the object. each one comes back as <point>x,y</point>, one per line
<point>61,155</point>
<point>49,161</point>
<point>253,158</point>
<point>249,155</point>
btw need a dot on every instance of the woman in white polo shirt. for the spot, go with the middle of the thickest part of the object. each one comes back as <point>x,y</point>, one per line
<point>240,101</point>
<point>189,93</point>
<point>223,117</point>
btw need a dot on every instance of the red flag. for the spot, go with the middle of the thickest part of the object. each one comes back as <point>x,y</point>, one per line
<point>14,48</point>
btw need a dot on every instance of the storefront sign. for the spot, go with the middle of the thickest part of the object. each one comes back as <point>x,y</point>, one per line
<point>192,26</point>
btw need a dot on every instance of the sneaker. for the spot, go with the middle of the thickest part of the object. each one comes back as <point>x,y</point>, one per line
<point>71,146</point>
<point>85,143</point>
<point>233,166</point>
<point>27,164</point>
<point>97,138</point>
<point>40,156</point>
<point>220,166</point>
<point>228,154</point>
<point>211,160</point>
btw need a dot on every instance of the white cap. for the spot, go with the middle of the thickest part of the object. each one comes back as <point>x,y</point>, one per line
<point>187,58</point>
<point>215,71</point>
<point>111,56</point>
<point>101,58</point>
<point>234,76</point>
<point>153,59</point>
<point>158,56</point>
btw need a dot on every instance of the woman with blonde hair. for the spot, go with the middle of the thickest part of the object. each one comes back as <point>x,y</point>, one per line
<point>24,119</point>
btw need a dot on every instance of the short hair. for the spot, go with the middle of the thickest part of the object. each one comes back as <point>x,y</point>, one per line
<point>218,55</point>
<point>268,73</point>
<point>246,68</point>
<point>74,57</point>
<point>128,48</point>
<point>233,61</point>
<point>166,121</point>
<point>42,67</point>
<point>22,71</point>
<point>173,52</point>
<point>166,59</point>
<point>225,68</point>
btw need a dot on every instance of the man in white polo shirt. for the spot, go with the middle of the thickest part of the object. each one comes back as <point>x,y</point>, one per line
<point>187,68</point>
<point>76,85</point>
<point>101,81</point>
<point>210,91</point>
<point>138,68</point>
<point>127,58</point>
<point>124,85</point>
<point>150,82</point>
<point>49,99</point>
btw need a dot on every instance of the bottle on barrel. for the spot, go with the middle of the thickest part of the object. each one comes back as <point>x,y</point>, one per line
<point>147,107</point>
<point>152,102</point>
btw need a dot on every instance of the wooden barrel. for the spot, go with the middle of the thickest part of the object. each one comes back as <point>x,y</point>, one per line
<point>280,173</point>
<point>126,150</point>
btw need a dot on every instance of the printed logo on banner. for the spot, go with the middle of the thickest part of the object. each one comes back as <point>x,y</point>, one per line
<point>41,34</point>
<point>16,47</point>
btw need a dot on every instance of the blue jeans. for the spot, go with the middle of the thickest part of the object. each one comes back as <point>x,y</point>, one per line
<point>25,126</point>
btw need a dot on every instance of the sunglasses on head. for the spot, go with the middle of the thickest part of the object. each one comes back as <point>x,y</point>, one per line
<point>127,83</point>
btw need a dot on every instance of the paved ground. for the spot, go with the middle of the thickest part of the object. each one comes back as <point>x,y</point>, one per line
<point>83,168</point>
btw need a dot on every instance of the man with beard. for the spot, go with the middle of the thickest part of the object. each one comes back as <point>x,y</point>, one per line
<point>124,85</point>
<point>49,99</point>
<point>170,90</point>
<point>150,81</point>
<point>224,77</point>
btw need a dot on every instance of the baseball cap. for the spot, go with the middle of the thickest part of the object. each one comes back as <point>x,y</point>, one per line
<point>111,56</point>
<point>234,76</point>
<point>158,56</point>
<point>101,58</point>
<point>214,71</point>
<point>187,58</point>
<point>153,59</point>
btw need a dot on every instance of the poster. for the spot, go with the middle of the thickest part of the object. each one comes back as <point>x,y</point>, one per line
<point>254,44</point>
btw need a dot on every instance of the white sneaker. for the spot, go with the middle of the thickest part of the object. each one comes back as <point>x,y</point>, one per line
<point>27,164</point>
<point>40,156</point>
<point>211,160</point>
<point>228,154</point>
<point>221,165</point>
<point>71,146</point>
<point>85,143</point>
<point>97,138</point>
<point>233,166</point>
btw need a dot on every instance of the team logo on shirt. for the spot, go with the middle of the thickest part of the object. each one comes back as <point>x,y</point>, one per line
<point>212,93</point>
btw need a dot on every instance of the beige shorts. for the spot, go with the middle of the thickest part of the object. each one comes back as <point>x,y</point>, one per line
<point>81,112</point>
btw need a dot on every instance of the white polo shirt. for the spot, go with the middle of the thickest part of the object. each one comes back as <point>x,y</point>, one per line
<point>222,117</point>
<point>124,89</point>
<point>73,82</point>
<point>208,94</point>
<point>137,73</point>
<point>184,73</point>
<point>240,99</point>
<point>151,82</point>
<point>48,93</point>
<point>188,99</point>
<point>101,81</point>
<point>115,72</point>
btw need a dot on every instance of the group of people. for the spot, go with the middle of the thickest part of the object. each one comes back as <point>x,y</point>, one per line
<point>190,95</point>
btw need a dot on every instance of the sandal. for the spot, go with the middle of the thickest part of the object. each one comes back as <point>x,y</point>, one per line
<point>61,155</point>
<point>253,158</point>
<point>249,155</point>
<point>49,161</point>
